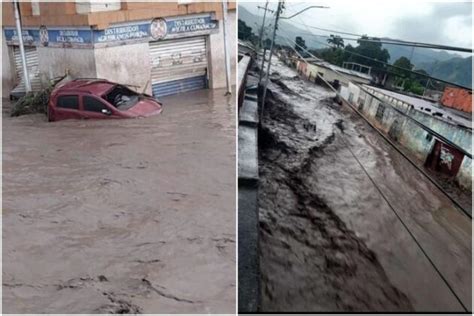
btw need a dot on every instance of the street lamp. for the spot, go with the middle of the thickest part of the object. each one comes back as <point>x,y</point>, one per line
<point>271,47</point>
<point>310,7</point>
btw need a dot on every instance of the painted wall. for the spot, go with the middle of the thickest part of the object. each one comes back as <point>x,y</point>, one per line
<point>64,13</point>
<point>409,134</point>
<point>459,99</point>
<point>84,6</point>
<point>128,64</point>
<point>217,57</point>
<point>310,72</point>
<point>7,70</point>
<point>53,62</point>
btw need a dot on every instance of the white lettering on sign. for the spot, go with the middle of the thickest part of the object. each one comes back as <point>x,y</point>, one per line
<point>25,34</point>
<point>69,36</point>
<point>122,33</point>
<point>63,33</point>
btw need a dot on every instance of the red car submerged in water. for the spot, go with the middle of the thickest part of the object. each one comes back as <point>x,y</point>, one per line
<point>98,99</point>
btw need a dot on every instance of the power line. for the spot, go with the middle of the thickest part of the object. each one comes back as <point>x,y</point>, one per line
<point>397,41</point>
<point>444,139</point>
<point>386,199</point>
<point>370,40</point>
<point>396,67</point>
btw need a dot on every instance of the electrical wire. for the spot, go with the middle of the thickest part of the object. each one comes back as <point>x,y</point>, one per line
<point>396,67</point>
<point>397,41</point>
<point>390,205</point>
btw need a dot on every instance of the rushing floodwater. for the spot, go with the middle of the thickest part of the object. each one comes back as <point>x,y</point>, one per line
<point>122,216</point>
<point>329,239</point>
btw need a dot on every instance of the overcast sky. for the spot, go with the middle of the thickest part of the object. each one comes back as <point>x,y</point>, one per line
<point>447,23</point>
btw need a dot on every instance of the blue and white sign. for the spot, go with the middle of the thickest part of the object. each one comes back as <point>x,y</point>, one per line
<point>156,29</point>
<point>191,24</point>
<point>122,33</point>
<point>29,35</point>
<point>70,36</point>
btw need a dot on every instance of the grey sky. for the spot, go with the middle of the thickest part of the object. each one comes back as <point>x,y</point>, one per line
<point>447,23</point>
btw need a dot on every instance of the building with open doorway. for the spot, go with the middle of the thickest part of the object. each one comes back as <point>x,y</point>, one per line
<point>161,48</point>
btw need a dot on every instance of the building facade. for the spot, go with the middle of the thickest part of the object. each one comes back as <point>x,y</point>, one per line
<point>456,98</point>
<point>311,68</point>
<point>161,48</point>
<point>439,139</point>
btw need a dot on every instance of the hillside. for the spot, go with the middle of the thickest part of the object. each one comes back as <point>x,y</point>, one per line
<point>446,65</point>
<point>457,70</point>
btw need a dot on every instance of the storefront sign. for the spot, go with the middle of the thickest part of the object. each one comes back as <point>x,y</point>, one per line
<point>122,33</point>
<point>29,36</point>
<point>69,36</point>
<point>187,25</point>
<point>155,29</point>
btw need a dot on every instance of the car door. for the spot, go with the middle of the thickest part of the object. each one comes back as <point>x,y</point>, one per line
<point>96,108</point>
<point>67,107</point>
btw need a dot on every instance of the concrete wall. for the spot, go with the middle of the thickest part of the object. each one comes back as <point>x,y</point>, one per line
<point>409,134</point>
<point>459,136</point>
<point>128,64</point>
<point>87,6</point>
<point>8,80</point>
<point>310,71</point>
<point>53,62</point>
<point>64,13</point>
<point>217,57</point>
<point>232,31</point>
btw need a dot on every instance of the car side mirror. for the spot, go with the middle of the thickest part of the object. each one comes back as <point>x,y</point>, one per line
<point>106,111</point>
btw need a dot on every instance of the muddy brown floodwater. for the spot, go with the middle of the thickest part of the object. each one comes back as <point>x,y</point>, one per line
<point>347,223</point>
<point>122,216</point>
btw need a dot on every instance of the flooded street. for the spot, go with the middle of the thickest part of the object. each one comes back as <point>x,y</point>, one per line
<point>347,223</point>
<point>122,216</point>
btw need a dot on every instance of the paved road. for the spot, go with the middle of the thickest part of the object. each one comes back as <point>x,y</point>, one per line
<point>347,224</point>
<point>122,216</point>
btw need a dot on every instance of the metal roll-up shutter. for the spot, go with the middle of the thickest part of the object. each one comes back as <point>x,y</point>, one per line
<point>33,70</point>
<point>178,65</point>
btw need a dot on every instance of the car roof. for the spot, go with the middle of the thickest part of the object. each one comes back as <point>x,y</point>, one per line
<point>92,86</point>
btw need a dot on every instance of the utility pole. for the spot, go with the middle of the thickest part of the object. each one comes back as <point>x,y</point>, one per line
<point>275,26</point>
<point>431,74</point>
<point>261,39</point>
<point>16,5</point>
<point>226,49</point>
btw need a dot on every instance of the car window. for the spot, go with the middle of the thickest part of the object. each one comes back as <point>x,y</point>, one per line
<point>68,102</point>
<point>93,105</point>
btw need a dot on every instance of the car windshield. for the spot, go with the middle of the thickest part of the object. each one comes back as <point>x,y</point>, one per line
<point>122,97</point>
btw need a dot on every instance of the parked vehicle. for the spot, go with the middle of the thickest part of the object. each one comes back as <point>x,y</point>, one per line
<point>99,99</point>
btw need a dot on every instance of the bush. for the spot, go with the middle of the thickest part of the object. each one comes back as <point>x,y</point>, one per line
<point>34,102</point>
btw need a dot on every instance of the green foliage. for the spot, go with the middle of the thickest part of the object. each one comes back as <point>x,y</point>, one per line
<point>335,56</point>
<point>404,63</point>
<point>35,102</point>
<point>245,32</point>
<point>457,70</point>
<point>339,54</point>
<point>32,102</point>
<point>300,45</point>
<point>336,41</point>
<point>373,50</point>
